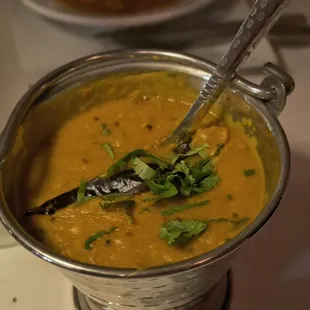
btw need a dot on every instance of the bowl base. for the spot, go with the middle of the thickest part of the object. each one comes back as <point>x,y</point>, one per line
<point>218,299</point>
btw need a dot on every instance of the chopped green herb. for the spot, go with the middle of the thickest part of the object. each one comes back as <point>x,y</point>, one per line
<point>219,149</point>
<point>122,163</point>
<point>89,242</point>
<point>108,148</point>
<point>180,232</point>
<point>141,169</point>
<point>129,204</point>
<point>202,169</point>
<point>108,202</point>
<point>81,191</point>
<point>198,150</point>
<point>152,199</point>
<point>114,198</point>
<point>236,223</point>
<point>165,190</point>
<point>175,158</point>
<point>122,201</point>
<point>229,196</point>
<point>186,180</point>
<point>184,168</point>
<point>105,206</point>
<point>129,219</point>
<point>105,129</point>
<point>143,210</point>
<point>180,179</point>
<point>210,182</point>
<point>81,198</point>
<point>183,207</point>
<point>249,172</point>
<point>155,160</point>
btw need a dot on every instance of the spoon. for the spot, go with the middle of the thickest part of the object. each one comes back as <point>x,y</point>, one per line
<point>261,18</point>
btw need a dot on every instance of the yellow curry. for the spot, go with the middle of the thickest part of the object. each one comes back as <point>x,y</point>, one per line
<point>184,201</point>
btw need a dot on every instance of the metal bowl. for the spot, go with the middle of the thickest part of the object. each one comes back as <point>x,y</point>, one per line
<point>176,286</point>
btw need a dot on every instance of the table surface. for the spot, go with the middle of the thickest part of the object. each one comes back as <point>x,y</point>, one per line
<point>271,272</point>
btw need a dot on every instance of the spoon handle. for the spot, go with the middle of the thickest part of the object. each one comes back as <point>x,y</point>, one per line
<point>263,15</point>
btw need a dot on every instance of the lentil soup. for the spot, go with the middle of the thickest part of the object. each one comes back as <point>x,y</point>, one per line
<point>112,196</point>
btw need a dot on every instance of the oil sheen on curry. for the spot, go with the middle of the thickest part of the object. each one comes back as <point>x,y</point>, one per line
<point>101,190</point>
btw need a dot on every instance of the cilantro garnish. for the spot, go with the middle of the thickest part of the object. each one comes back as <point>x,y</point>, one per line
<point>105,129</point>
<point>182,174</point>
<point>185,169</point>
<point>141,169</point>
<point>122,201</point>
<point>129,218</point>
<point>108,148</point>
<point>219,149</point>
<point>180,232</point>
<point>112,200</point>
<point>249,172</point>
<point>128,205</point>
<point>81,194</point>
<point>143,210</point>
<point>165,190</point>
<point>210,182</point>
<point>116,197</point>
<point>81,191</point>
<point>183,207</point>
<point>202,169</point>
<point>194,151</point>
<point>184,178</point>
<point>236,223</point>
<point>123,162</point>
<point>197,150</point>
<point>89,242</point>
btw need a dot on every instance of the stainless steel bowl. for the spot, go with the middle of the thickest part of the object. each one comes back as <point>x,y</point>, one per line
<point>176,286</point>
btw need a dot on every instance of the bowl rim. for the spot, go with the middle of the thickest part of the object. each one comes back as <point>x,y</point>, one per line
<point>125,21</point>
<point>42,251</point>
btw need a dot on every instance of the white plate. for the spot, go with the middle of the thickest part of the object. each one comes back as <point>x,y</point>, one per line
<point>58,13</point>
